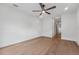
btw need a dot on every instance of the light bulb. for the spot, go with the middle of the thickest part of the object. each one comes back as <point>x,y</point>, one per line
<point>43,11</point>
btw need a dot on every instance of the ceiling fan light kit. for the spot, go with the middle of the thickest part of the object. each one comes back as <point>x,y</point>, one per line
<point>43,11</point>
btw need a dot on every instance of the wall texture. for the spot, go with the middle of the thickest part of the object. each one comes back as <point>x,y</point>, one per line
<point>16,26</point>
<point>48,27</point>
<point>78,26</point>
<point>69,26</point>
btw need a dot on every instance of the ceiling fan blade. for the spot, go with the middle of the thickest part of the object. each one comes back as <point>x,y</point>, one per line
<point>51,8</point>
<point>42,6</point>
<point>15,5</point>
<point>36,10</point>
<point>47,12</point>
<point>41,13</point>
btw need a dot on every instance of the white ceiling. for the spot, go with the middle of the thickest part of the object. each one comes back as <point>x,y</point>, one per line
<point>59,10</point>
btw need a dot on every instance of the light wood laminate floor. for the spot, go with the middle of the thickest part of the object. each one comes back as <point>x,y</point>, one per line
<point>42,46</point>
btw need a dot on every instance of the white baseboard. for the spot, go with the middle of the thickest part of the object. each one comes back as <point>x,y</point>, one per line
<point>26,38</point>
<point>11,43</point>
<point>65,38</point>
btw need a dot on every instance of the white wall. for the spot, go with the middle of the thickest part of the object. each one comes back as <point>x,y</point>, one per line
<point>16,26</point>
<point>69,26</point>
<point>47,27</point>
<point>78,26</point>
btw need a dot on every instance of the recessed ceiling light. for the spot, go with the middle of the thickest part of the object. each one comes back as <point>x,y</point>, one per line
<point>66,8</point>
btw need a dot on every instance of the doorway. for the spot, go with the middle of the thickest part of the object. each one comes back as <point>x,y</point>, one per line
<point>57,26</point>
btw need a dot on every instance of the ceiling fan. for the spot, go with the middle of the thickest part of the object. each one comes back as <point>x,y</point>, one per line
<point>43,9</point>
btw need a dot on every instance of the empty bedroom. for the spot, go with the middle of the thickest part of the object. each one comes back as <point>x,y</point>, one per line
<point>39,28</point>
